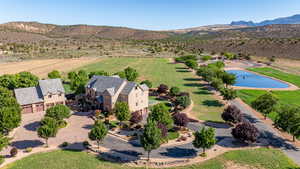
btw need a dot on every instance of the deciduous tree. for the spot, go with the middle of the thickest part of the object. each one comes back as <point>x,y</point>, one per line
<point>245,132</point>
<point>151,137</point>
<point>160,113</point>
<point>265,103</point>
<point>98,132</point>
<point>205,138</point>
<point>54,74</point>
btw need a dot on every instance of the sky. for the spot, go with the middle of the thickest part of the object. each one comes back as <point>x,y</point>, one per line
<point>145,14</point>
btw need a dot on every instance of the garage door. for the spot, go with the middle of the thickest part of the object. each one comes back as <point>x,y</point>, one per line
<point>39,107</point>
<point>27,109</point>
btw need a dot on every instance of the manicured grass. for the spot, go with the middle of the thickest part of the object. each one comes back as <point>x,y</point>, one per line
<point>160,70</point>
<point>255,158</point>
<point>284,97</point>
<point>294,79</point>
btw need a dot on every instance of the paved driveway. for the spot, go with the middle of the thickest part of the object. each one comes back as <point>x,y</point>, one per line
<point>75,133</point>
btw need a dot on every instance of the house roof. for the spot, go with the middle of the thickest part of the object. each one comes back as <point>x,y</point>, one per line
<point>28,95</point>
<point>102,83</point>
<point>53,86</point>
<point>128,88</point>
<point>111,84</point>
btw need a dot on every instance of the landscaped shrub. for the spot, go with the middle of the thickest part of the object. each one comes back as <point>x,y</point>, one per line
<point>162,88</point>
<point>183,101</point>
<point>232,114</point>
<point>174,91</point>
<point>28,149</point>
<point>181,119</point>
<point>245,132</point>
<point>136,117</point>
<point>13,151</point>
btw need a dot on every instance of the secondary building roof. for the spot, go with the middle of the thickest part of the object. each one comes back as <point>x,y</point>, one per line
<point>28,95</point>
<point>53,86</point>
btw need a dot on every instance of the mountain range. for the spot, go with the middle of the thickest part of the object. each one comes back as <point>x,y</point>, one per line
<point>295,19</point>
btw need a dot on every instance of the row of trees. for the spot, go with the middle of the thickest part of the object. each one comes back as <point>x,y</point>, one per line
<point>215,75</point>
<point>287,118</point>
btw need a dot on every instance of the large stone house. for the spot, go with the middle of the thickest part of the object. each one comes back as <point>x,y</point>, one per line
<point>105,91</point>
<point>37,99</point>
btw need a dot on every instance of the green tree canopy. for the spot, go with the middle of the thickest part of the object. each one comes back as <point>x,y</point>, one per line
<point>99,73</point>
<point>46,132</point>
<point>228,78</point>
<point>54,74</point>
<point>10,111</point>
<point>288,119</point>
<point>151,137</point>
<point>160,113</point>
<point>265,103</point>
<point>58,112</point>
<point>98,132</point>
<point>122,112</point>
<point>147,82</point>
<point>191,64</point>
<point>4,141</point>
<point>174,91</point>
<point>205,138</point>
<point>78,81</point>
<point>183,101</point>
<point>19,80</point>
<point>131,74</point>
<point>228,94</point>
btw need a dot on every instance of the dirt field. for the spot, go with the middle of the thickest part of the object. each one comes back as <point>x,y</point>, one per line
<point>42,67</point>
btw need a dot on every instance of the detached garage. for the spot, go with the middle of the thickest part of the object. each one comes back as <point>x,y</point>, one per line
<point>30,99</point>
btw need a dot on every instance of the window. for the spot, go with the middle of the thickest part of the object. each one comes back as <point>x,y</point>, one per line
<point>136,103</point>
<point>50,96</point>
<point>59,94</point>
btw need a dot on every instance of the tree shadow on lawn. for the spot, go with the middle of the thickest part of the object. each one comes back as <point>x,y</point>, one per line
<point>193,85</point>
<point>183,71</point>
<point>26,143</point>
<point>177,152</point>
<point>212,103</point>
<point>192,79</point>
<point>203,92</point>
<point>32,126</point>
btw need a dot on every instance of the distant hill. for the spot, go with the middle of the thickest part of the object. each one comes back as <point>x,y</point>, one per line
<point>295,19</point>
<point>44,31</point>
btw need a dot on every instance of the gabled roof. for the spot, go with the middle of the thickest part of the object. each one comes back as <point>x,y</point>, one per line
<point>53,86</point>
<point>128,88</point>
<point>144,87</point>
<point>101,83</point>
<point>28,95</point>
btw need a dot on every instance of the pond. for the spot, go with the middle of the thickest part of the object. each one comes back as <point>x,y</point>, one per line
<point>252,80</point>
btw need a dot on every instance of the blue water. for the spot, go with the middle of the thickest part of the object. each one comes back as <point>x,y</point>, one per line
<point>248,79</point>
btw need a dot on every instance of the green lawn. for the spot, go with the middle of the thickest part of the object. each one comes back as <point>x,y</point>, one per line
<point>256,158</point>
<point>294,79</point>
<point>284,97</point>
<point>159,70</point>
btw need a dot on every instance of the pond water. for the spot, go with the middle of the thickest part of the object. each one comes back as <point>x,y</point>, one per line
<point>248,79</point>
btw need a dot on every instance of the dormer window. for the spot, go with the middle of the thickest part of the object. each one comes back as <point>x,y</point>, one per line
<point>59,94</point>
<point>49,96</point>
